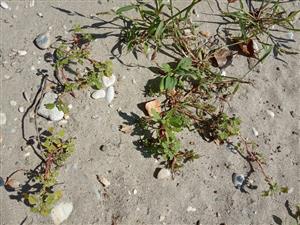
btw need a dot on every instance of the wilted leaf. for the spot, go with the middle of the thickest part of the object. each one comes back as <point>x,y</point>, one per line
<point>155,105</point>
<point>247,48</point>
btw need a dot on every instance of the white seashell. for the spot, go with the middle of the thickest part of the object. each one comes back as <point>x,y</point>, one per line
<point>110,93</point>
<point>98,94</point>
<point>70,106</point>
<point>255,132</point>
<point>164,174</point>
<point>43,41</point>
<point>22,52</point>
<point>270,113</point>
<point>238,180</point>
<point>61,212</point>
<point>4,5</point>
<point>21,109</point>
<point>191,209</point>
<point>2,119</point>
<point>109,81</point>
<point>290,35</point>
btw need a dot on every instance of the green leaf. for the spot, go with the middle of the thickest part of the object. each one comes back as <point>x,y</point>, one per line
<point>50,106</point>
<point>125,9</point>
<point>160,29</point>
<point>61,133</point>
<point>32,199</point>
<point>166,68</point>
<point>185,64</point>
<point>170,83</point>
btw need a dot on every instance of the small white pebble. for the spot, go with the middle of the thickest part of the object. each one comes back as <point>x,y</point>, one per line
<point>66,116</point>
<point>223,73</point>
<point>270,113</point>
<point>70,106</point>
<point>134,191</point>
<point>290,35</point>
<point>2,118</point>
<point>255,132</point>
<point>22,52</point>
<point>13,103</point>
<point>21,109</point>
<point>191,209</point>
<point>32,68</point>
<point>133,81</point>
<point>27,154</point>
<point>6,77</point>
<point>40,14</point>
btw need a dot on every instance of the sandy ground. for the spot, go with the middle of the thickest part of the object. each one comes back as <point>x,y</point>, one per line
<point>204,184</point>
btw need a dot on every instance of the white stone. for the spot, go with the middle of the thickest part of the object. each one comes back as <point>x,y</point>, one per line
<point>134,191</point>
<point>21,109</point>
<point>52,114</point>
<point>98,94</point>
<point>22,52</point>
<point>238,180</point>
<point>191,209</point>
<point>109,81</point>
<point>2,119</point>
<point>40,14</point>
<point>104,181</point>
<point>110,94</point>
<point>255,132</point>
<point>32,68</point>
<point>43,40</point>
<point>13,103</point>
<point>4,5</point>
<point>70,106</point>
<point>290,35</point>
<point>164,174</point>
<point>270,113</point>
<point>61,212</point>
<point>223,73</point>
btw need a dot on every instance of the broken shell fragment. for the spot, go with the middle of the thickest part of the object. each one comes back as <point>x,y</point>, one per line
<point>153,105</point>
<point>61,212</point>
<point>238,180</point>
<point>223,57</point>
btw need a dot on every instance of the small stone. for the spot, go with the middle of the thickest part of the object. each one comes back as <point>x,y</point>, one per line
<point>43,41</point>
<point>21,109</point>
<point>61,212</point>
<point>164,174</point>
<point>110,93</point>
<point>4,5</point>
<point>109,81</point>
<point>255,132</point>
<point>238,180</point>
<point>161,218</point>
<point>22,52</point>
<point>27,154</point>
<point>32,68</point>
<point>290,35</point>
<point>133,81</point>
<point>2,119</point>
<point>223,73</point>
<point>103,181</point>
<point>31,3</point>
<point>13,103</point>
<point>270,113</point>
<point>40,14</point>
<point>98,94</point>
<point>7,77</point>
<point>1,182</point>
<point>134,191</point>
<point>191,209</point>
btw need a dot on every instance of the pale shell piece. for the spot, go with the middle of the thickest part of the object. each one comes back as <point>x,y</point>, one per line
<point>270,113</point>
<point>2,119</point>
<point>4,5</point>
<point>98,94</point>
<point>164,174</point>
<point>61,212</point>
<point>109,81</point>
<point>43,41</point>
<point>110,94</point>
<point>104,181</point>
<point>191,209</point>
<point>255,132</point>
<point>22,52</point>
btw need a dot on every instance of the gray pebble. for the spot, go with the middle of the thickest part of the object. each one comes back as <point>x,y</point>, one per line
<point>103,148</point>
<point>43,41</point>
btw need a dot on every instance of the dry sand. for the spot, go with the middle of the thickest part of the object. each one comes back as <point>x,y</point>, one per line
<point>204,184</point>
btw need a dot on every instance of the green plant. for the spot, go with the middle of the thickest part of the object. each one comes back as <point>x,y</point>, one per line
<point>263,23</point>
<point>55,151</point>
